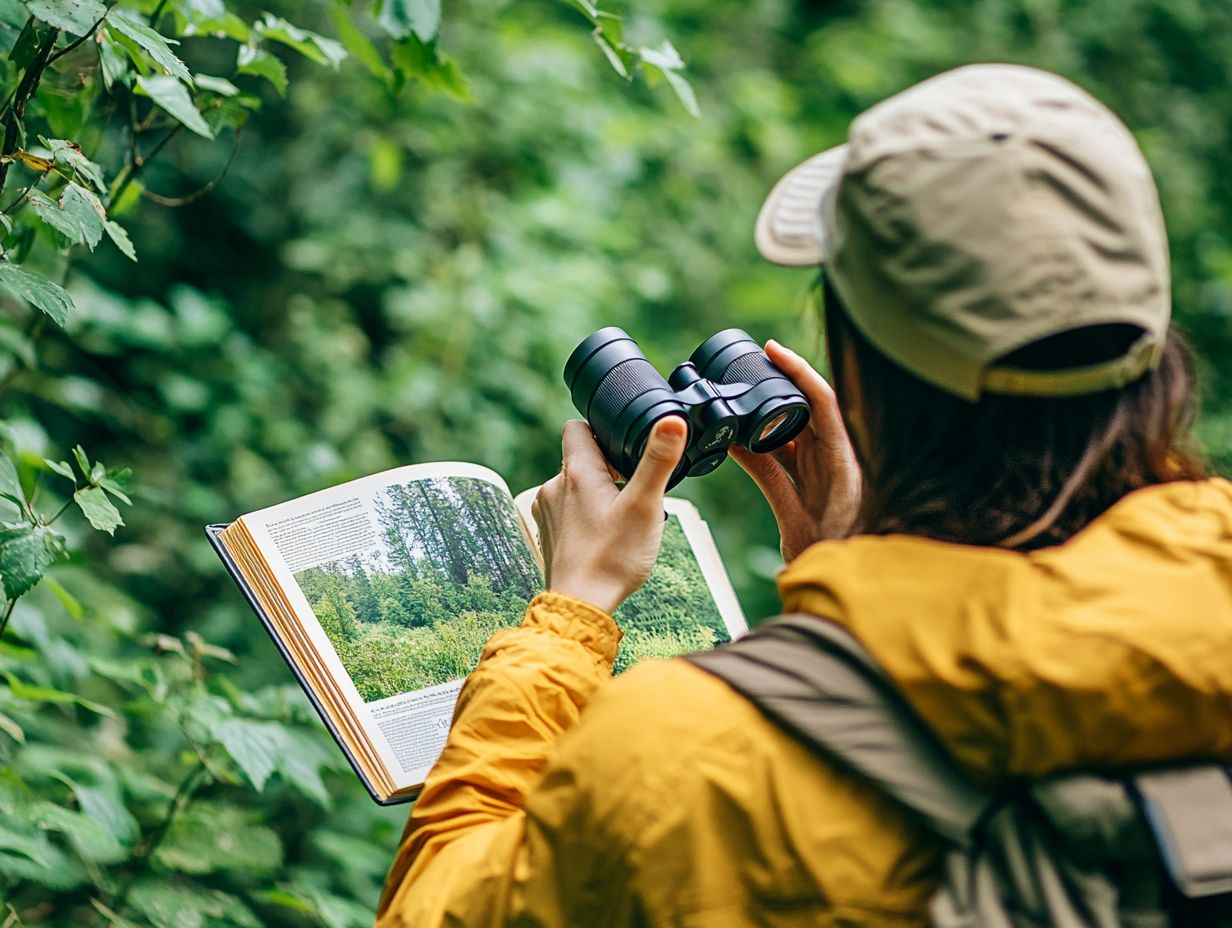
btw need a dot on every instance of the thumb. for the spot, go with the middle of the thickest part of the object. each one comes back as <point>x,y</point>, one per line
<point>663,450</point>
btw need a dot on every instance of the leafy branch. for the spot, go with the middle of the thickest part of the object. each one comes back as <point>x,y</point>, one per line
<point>140,862</point>
<point>28,547</point>
<point>15,112</point>
<point>89,33</point>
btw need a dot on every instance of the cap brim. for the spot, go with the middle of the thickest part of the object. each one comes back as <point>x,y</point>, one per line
<point>795,223</point>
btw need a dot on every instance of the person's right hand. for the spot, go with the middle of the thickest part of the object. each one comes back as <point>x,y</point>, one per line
<point>813,482</point>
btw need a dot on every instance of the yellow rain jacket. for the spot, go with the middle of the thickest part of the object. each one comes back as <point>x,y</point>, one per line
<point>663,798</point>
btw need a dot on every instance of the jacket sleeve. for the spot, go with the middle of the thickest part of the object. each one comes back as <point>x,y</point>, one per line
<point>470,854</point>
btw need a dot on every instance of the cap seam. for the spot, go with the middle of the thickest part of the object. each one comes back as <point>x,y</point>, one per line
<point>959,148</point>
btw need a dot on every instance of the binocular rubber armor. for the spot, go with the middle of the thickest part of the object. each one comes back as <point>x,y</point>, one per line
<point>728,392</point>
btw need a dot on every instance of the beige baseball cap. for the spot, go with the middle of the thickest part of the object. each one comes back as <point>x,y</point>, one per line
<point>978,212</point>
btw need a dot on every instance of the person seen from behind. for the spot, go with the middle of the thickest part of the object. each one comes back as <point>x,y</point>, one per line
<point>996,496</point>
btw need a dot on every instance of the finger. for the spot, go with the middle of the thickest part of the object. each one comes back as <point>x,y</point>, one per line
<point>659,460</point>
<point>787,456</point>
<point>775,485</point>
<point>582,458</point>
<point>826,421</point>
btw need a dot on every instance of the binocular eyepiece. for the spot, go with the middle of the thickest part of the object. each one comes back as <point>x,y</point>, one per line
<point>728,392</point>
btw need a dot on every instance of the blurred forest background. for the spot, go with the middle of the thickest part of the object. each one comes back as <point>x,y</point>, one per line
<point>389,264</point>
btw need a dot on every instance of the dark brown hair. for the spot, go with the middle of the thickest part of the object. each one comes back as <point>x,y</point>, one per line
<point>1018,472</point>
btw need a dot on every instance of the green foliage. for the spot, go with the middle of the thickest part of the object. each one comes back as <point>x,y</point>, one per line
<point>384,276</point>
<point>640,644</point>
<point>386,659</point>
<point>147,779</point>
<point>170,94</point>
<point>75,16</point>
<point>37,290</point>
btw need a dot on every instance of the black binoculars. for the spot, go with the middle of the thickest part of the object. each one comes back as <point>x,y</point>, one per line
<point>728,392</point>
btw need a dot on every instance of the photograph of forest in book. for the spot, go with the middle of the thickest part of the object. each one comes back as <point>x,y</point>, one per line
<point>674,613</point>
<point>453,566</point>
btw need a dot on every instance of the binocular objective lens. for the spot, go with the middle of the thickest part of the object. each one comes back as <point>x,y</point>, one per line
<point>769,428</point>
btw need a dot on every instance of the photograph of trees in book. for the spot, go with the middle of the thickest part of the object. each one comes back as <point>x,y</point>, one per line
<point>453,566</point>
<point>674,613</point>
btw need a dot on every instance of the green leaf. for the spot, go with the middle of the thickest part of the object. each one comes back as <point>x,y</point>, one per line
<point>218,85</point>
<point>197,10</point>
<point>119,236</point>
<point>34,857</point>
<point>312,46</point>
<point>75,16</point>
<point>78,215</point>
<point>89,837</point>
<point>401,18</point>
<point>229,113</point>
<point>384,164</point>
<point>98,509</point>
<point>255,746</point>
<point>26,46</point>
<point>128,200</point>
<point>70,155</point>
<point>359,45</point>
<point>666,62</point>
<point>223,26</point>
<point>172,905</point>
<point>155,43</point>
<point>335,910</point>
<point>13,15</point>
<point>587,9</point>
<point>37,290</point>
<point>25,554</point>
<point>173,97</point>
<point>618,56</point>
<point>70,602</point>
<point>423,63</point>
<point>300,763</point>
<point>608,35</point>
<point>212,836</point>
<point>260,63</point>
<point>83,461</point>
<point>286,899</point>
<point>113,62</point>
<point>15,341</point>
<point>116,489</point>
<point>45,694</point>
<point>113,918</point>
<point>63,468</point>
<point>105,806</point>
<point>10,485</point>
<point>12,729</point>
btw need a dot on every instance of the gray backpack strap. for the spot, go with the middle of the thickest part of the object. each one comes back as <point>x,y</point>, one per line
<point>1190,811</point>
<point>1067,852</point>
<point>816,680</point>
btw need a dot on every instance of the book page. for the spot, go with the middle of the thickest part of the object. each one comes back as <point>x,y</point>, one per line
<point>688,603</point>
<point>398,580</point>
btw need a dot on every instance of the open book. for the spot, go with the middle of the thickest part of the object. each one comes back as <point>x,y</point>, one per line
<point>380,593</point>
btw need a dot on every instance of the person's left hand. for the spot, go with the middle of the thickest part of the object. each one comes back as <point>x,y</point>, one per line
<point>599,542</point>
